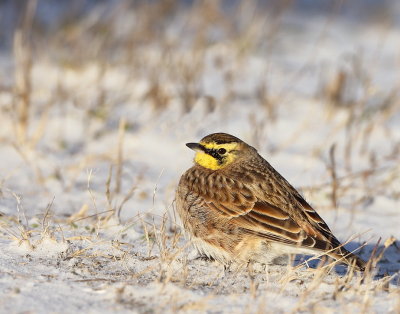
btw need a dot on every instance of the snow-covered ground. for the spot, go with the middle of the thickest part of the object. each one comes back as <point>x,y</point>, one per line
<point>87,182</point>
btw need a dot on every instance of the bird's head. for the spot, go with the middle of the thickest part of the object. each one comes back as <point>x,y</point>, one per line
<point>217,150</point>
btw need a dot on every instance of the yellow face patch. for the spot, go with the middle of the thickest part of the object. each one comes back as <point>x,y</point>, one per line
<point>210,162</point>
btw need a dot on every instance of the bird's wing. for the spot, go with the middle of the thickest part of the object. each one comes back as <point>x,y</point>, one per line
<point>293,221</point>
<point>270,222</point>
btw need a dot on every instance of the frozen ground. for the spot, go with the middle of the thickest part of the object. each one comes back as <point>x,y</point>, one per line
<point>87,181</point>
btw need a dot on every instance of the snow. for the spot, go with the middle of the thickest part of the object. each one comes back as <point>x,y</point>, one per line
<point>64,251</point>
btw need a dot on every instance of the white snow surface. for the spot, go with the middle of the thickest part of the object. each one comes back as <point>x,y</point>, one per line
<point>60,254</point>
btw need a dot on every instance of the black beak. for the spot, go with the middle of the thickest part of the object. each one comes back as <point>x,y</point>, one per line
<point>196,147</point>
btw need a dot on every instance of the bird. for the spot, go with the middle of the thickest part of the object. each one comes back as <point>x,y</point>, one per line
<point>237,208</point>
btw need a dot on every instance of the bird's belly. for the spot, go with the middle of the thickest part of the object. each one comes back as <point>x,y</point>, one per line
<point>211,251</point>
<point>257,251</point>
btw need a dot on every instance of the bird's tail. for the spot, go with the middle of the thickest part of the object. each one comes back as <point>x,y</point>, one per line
<point>343,255</point>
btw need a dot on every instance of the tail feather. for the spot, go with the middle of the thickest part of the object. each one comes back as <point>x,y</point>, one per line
<point>341,254</point>
<point>335,249</point>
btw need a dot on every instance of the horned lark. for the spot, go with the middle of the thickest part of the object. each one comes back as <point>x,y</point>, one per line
<point>238,208</point>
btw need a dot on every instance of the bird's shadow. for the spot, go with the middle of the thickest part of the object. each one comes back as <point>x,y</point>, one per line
<point>385,260</point>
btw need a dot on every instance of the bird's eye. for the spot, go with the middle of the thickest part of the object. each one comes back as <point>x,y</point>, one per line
<point>221,151</point>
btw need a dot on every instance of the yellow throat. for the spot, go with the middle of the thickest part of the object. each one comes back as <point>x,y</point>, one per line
<point>210,162</point>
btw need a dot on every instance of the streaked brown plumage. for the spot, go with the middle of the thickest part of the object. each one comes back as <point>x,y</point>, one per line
<point>237,207</point>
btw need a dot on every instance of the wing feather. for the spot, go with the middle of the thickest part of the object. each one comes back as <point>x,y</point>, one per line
<point>256,213</point>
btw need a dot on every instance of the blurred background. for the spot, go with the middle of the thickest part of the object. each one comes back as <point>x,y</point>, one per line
<point>124,84</point>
